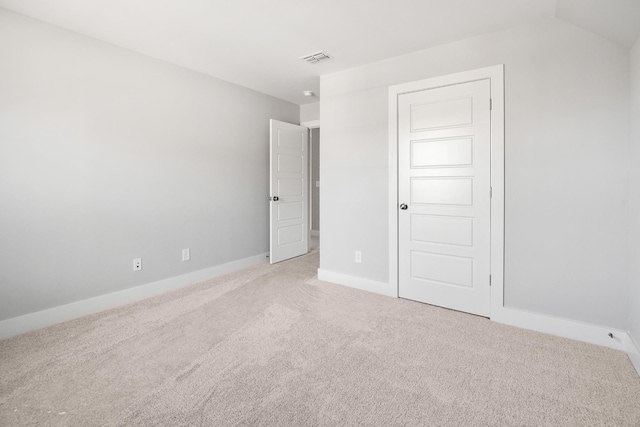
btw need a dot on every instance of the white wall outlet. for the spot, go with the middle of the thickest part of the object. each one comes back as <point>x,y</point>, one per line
<point>186,254</point>
<point>358,257</point>
<point>137,264</point>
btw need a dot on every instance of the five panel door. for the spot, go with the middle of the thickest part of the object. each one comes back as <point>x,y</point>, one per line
<point>444,185</point>
<point>289,216</point>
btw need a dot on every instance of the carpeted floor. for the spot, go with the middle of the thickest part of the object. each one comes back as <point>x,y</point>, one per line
<point>273,346</point>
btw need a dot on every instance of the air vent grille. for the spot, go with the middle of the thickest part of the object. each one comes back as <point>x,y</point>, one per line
<point>316,57</point>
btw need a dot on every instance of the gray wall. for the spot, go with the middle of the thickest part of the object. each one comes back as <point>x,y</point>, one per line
<point>315,177</point>
<point>107,155</point>
<point>634,214</point>
<point>567,139</point>
<point>310,112</point>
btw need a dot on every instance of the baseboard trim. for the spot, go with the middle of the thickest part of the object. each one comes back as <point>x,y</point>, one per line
<point>51,316</point>
<point>573,329</point>
<point>552,325</point>
<point>357,282</point>
<point>633,350</point>
<point>566,328</point>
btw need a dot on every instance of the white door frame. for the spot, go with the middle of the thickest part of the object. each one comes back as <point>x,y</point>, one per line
<point>496,75</point>
<point>311,125</point>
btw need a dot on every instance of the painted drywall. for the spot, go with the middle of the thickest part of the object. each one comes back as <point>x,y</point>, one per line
<point>315,178</point>
<point>566,172</point>
<point>310,112</point>
<point>634,197</point>
<point>107,155</point>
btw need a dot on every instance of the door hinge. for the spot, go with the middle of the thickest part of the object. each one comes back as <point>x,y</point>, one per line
<point>490,192</point>
<point>490,104</point>
<point>489,280</point>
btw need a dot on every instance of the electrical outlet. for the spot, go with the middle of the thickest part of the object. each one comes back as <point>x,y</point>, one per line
<point>186,254</point>
<point>137,264</point>
<point>358,257</point>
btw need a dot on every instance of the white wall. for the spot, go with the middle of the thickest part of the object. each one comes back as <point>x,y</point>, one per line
<point>310,112</point>
<point>107,155</point>
<point>567,121</point>
<point>634,212</point>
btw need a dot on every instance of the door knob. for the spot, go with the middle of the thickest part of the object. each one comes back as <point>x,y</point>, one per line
<point>404,207</point>
<point>274,198</point>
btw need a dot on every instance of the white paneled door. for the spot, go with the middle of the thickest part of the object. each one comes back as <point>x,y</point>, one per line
<point>444,185</point>
<point>289,213</point>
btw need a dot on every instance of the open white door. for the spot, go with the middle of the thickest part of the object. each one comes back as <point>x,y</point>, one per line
<point>289,176</point>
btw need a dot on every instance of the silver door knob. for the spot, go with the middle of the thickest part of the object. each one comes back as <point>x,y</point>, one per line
<point>404,207</point>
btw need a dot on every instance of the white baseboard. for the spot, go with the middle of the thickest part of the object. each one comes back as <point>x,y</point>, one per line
<point>633,350</point>
<point>51,316</point>
<point>357,282</point>
<point>566,328</point>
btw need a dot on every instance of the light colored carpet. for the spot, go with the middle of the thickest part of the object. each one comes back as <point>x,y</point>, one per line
<point>273,346</point>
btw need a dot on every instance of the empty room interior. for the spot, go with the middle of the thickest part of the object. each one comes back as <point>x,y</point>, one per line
<point>420,212</point>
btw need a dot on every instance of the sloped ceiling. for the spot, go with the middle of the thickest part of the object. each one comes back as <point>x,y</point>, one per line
<point>616,20</point>
<point>257,43</point>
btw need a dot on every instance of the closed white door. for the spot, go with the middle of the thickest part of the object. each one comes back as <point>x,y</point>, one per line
<point>444,184</point>
<point>289,213</point>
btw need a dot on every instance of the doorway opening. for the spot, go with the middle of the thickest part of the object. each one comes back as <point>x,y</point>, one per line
<point>314,188</point>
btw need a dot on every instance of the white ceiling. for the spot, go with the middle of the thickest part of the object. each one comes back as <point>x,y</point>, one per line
<point>257,43</point>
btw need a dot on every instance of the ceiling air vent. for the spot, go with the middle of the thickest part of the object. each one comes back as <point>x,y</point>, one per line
<point>316,57</point>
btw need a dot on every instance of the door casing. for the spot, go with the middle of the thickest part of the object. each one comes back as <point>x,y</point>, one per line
<point>496,76</point>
